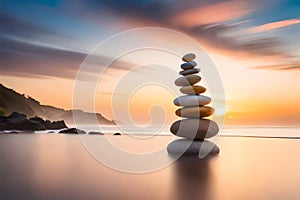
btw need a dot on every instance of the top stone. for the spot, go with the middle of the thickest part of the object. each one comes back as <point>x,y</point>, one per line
<point>188,57</point>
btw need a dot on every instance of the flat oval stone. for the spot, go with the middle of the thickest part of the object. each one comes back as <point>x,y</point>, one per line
<point>196,129</point>
<point>188,57</point>
<point>188,65</point>
<point>187,80</point>
<point>195,112</point>
<point>189,147</point>
<point>195,89</point>
<point>189,71</point>
<point>192,100</point>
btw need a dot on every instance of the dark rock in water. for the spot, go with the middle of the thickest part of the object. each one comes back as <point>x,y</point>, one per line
<point>72,131</point>
<point>17,121</point>
<point>2,118</point>
<point>27,125</point>
<point>117,134</point>
<point>16,115</point>
<point>48,124</point>
<point>95,133</point>
<point>57,125</point>
<point>20,123</point>
<point>190,147</point>
<point>16,118</point>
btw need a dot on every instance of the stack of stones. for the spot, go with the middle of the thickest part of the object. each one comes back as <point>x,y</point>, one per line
<point>195,128</point>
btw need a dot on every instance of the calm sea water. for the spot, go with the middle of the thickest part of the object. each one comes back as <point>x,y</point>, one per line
<point>226,131</point>
<point>58,166</point>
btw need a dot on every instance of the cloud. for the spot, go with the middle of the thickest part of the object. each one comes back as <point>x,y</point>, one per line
<point>21,53</point>
<point>212,13</point>
<point>275,25</point>
<point>18,58</point>
<point>208,21</point>
<point>285,66</point>
<point>11,26</point>
<point>155,10</point>
<point>218,35</point>
<point>211,23</point>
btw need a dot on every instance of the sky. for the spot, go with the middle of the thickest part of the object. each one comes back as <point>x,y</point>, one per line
<point>255,46</point>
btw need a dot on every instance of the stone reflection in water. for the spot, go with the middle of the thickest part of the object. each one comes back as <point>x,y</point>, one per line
<point>192,179</point>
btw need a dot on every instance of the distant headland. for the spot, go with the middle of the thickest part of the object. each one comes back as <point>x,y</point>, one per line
<point>29,108</point>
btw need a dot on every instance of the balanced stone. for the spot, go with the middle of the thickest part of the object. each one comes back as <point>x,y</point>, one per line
<point>188,57</point>
<point>188,65</point>
<point>189,71</point>
<point>195,89</point>
<point>192,100</point>
<point>189,147</point>
<point>187,80</point>
<point>196,129</point>
<point>195,112</point>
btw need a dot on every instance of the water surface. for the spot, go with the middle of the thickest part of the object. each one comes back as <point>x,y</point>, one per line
<point>56,166</point>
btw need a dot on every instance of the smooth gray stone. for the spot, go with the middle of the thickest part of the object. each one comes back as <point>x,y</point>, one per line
<point>192,100</point>
<point>188,57</point>
<point>189,147</point>
<point>189,71</point>
<point>196,129</point>
<point>188,65</point>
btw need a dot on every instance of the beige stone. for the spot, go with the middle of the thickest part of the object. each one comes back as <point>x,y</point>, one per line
<point>195,89</point>
<point>187,80</point>
<point>188,57</point>
<point>195,112</point>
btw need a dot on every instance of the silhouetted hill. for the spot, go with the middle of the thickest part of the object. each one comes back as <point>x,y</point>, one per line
<point>11,101</point>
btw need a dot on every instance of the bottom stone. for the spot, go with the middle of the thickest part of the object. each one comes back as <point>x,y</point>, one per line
<point>190,147</point>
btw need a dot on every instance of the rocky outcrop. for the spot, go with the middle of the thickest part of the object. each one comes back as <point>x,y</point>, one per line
<point>48,124</point>
<point>18,121</point>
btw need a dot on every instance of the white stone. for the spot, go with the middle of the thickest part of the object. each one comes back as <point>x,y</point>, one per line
<point>192,100</point>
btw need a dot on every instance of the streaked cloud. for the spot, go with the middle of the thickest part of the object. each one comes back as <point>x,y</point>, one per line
<point>210,22</point>
<point>275,25</point>
<point>213,23</point>
<point>11,26</point>
<point>285,66</point>
<point>19,58</point>
<point>213,13</point>
<point>218,35</point>
<point>22,54</point>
